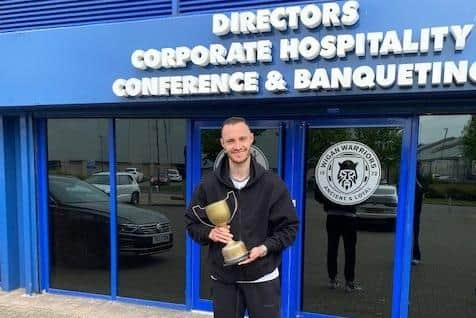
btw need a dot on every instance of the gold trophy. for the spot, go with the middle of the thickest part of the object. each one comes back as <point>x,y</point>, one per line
<point>219,214</point>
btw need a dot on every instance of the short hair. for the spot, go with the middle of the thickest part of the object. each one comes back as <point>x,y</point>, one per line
<point>233,121</point>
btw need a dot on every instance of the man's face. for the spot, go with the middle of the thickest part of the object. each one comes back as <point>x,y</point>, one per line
<point>237,139</point>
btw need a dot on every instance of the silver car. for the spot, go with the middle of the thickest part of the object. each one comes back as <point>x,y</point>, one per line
<point>381,206</point>
<point>128,190</point>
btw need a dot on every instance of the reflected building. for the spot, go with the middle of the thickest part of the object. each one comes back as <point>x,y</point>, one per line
<point>444,160</point>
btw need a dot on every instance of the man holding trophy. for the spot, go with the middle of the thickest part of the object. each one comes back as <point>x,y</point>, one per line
<point>246,217</point>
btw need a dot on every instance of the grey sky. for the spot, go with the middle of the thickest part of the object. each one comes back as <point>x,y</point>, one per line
<point>432,128</point>
<point>86,139</point>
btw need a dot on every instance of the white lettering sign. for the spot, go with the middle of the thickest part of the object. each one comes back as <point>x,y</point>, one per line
<point>309,47</point>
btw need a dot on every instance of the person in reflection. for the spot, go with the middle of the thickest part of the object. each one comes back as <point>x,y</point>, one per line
<point>419,191</point>
<point>341,221</point>
<point>266,222</point>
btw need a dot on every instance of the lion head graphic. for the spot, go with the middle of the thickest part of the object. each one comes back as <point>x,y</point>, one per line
<point>347,175</point>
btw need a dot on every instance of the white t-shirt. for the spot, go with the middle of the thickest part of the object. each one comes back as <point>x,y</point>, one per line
<point>240,184</point>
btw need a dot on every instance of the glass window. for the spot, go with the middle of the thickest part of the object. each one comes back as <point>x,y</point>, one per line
<point>98,179</point>
<point>78,211</point>
<point>150,212</point>
<point>443,277</point>
<point>124,180</point>
<point>348,250</point>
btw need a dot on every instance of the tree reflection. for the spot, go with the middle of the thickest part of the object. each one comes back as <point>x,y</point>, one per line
<point>469,139</point>
<point>385,142</point>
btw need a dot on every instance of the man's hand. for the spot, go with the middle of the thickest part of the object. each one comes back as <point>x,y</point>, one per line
<point>220,234</point>
<point>255,252</point>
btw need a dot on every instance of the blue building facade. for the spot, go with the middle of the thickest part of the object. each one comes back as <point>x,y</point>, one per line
<point>100,87</point>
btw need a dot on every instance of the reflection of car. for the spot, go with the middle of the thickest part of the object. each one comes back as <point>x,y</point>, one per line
<point>438,177</point>
<point>380,206</point>
<point>136,173</point>
<point>161,179</point>
<point>79,214</point>
<point>127,188</point>
<point>174,175</point>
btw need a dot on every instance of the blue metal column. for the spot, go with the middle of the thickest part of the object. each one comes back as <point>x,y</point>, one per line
<point>27,206</point>
<point>190,280</point>
<point>293,176</point>
<point>113,205</point>
<point>3,212</point>
<point>193,248</point>
<point>405,273</point>
<point>403,242</point>
<point>298,171</point>
<point>42,190</point>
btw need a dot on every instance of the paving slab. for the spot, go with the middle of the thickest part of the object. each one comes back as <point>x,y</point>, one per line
<point>17,304</point>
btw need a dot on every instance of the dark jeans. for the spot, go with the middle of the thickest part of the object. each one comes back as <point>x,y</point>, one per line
<point>260,299</point>
<point>338,226</point>
<point>416,235</point>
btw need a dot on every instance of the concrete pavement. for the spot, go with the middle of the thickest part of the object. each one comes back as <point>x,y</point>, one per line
<point>18,305</point>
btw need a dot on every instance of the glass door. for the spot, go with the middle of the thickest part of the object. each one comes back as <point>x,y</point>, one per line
<point>350,177</point>
<point>78,212</point>
<point>445,205</point>
<point>267,149</point>
<point>353,203</point>
<point>150,189</point>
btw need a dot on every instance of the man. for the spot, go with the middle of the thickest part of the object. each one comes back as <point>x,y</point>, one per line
<point>265,221</point>
<point>341,221</point>
<point>419,192</point>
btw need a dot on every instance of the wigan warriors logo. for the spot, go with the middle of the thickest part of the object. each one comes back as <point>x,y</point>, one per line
<point>348,173</point>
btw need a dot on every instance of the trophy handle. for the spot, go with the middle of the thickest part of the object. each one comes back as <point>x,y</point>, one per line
<point>236,203</point>
<point>199,218</point>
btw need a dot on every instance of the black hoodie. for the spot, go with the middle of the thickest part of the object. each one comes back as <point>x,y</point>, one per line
<point>265,215</point>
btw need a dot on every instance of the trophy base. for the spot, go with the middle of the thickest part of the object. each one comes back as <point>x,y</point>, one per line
<point>236,260</point>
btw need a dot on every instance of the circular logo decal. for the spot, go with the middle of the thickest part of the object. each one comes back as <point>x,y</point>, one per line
<point>257,153</point>
<point>348,173</point>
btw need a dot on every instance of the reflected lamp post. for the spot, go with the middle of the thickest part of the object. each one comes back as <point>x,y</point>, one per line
<point>157,145</point>
<point>101,151</point>
<point>445,133</point>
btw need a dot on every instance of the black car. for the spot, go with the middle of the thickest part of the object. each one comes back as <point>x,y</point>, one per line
<point>79,223</point>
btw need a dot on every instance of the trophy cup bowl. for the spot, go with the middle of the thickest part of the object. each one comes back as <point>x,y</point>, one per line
<point>219,214</point>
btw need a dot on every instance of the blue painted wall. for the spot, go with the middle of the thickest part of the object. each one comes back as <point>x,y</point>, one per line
<point>18,235</point>
<point>10,250</point>
<point>77,65</point>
